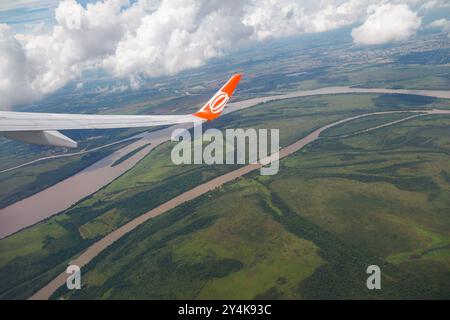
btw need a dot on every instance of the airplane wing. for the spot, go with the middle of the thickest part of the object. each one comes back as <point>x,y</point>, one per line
<point>42,128</point>
<point>28,121</point>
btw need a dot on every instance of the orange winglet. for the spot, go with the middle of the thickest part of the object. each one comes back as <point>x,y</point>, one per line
<point>213,108</point>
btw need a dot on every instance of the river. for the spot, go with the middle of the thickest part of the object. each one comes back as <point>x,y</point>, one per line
<point>69,191</point>
<point>90,253</point>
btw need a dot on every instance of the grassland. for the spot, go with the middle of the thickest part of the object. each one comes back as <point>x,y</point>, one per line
<point>225,248</point>
<point>291,64</point>
<point>155,180</point>
<point>277,259</point>
<point>364,123</point>
<point>29,180</point>
<point>308,232</point>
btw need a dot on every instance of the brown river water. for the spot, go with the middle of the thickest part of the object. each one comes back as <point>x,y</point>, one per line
<point>66,193</point>
<point>91,252</point>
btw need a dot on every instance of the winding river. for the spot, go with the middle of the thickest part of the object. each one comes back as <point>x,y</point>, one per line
<point>91,252</point>
<point>64,194</point>
<point>69,191</point>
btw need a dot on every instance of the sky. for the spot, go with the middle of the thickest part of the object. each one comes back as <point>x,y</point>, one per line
<point>46,44</point>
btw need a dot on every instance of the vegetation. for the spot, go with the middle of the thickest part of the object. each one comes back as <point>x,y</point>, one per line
<point>129,155</point>
<point>309,232</point>
<point>364,123</point>
<point>29,180</point>
<point>263,237</point>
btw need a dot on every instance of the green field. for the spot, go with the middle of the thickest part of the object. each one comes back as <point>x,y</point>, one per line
<point>364,123</point>
<point>48,245</point>
<point>308,232</point>
<point>30,179</point>
<point>26,181</point>
<point>276,67</point>
<point>289,237</point>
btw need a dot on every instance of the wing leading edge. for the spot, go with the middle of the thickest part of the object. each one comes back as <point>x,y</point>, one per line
<point>41,128</point>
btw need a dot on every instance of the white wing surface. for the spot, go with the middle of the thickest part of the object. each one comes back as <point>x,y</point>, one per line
<point>42,128</point>
<point>27,121</point>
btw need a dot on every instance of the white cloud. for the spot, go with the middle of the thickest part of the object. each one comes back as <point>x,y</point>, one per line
<point>158,37</point>
<point>443,24</point>
<point>14,84</point>
<point>387,23</point>
<point>278,18</point>
<point>45,62</point>
<point>178,35</point>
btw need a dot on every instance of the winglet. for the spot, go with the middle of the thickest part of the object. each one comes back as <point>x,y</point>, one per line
<point>213,108</point>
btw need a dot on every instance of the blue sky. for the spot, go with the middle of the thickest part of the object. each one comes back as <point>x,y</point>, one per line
<point>20,14</point>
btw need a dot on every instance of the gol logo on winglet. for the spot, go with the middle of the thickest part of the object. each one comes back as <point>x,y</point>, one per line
<point>215,105</point>
<point>218,102</point>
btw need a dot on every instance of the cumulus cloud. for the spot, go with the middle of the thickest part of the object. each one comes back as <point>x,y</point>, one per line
<point>33,65</point>
<point>178,35</point>
<point>270,18</point>
<point>147,38</point>
<point>14,82</point>
<point>443,24</point>
<point>387,23</point>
